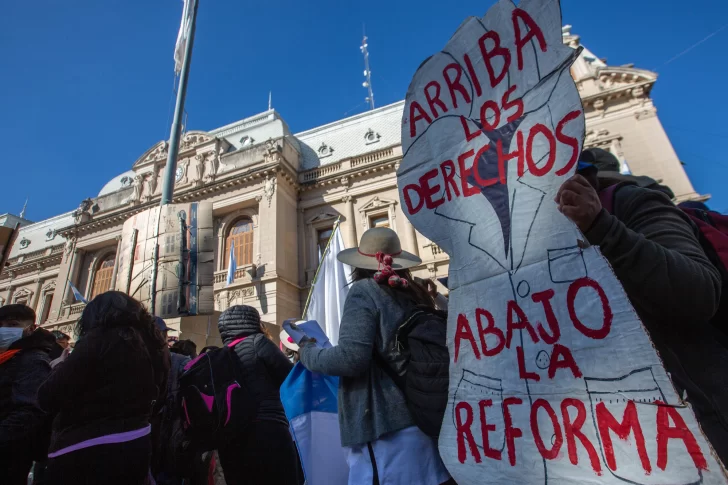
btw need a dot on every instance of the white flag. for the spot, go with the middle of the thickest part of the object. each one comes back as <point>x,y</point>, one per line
<point>183,35</point>
<point>330,290</point>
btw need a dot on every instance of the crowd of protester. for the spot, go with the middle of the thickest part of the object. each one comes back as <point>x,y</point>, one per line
<point>106,409</point>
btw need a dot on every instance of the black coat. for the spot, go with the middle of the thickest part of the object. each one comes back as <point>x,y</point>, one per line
<point>23,426</point>
<point>107,385</point>
<point>263,364</point>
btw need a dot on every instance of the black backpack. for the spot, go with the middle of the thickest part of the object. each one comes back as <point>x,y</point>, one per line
<point>216,403</point>
<point>421,340</point>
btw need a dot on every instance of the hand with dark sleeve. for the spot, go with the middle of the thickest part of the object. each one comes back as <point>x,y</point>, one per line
<point>653,249</point>
<point>68,381</point>
<point>26,418</point>
<point>354,352</point>
<point>275,361</point>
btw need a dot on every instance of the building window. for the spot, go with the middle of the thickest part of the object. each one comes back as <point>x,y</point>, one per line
<point>323,239</point>
<point>102,277</point>
<point>47,303</point>
<point>241,233</point>
<point>379,221</point>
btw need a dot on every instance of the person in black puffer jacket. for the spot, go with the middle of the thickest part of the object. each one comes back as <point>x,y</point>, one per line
<point>265,453</point>
<point>104,394</point>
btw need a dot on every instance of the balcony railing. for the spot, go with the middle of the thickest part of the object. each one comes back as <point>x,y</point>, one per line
<point>348,164</point>
<point>72,311</point>
<point>244,273</point>
<point>436,250</point>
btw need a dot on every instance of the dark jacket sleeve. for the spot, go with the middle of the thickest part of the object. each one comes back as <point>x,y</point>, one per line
<point>655,253</point>
<point>276,363</point>
<point>26,418</point>
<point>357,333</point>
<point>70,378</point>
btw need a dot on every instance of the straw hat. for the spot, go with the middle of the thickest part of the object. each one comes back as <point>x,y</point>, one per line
<point>378,240</point>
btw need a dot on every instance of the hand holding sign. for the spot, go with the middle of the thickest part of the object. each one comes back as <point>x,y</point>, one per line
<point>578,201</point>
<point>552,375</point>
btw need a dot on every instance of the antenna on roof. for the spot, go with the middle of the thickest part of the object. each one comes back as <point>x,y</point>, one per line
<point>22,212</point>
<point>367,73</point>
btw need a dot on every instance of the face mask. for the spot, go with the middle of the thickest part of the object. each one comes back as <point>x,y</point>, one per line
<point>8,335</point>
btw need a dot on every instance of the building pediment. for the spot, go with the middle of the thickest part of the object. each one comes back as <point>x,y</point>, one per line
<point>158,153</point>
<point>376,203</point>
<point>611,78</point>
<point>322,217</point>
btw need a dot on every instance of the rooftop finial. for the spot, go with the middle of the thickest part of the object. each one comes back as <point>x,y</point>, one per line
<point>22,212</point>
<point>270,100</point>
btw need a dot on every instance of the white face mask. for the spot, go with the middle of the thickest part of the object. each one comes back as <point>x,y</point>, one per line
<point>8,335</point>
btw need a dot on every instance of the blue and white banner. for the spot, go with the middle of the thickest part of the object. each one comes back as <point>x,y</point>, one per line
<point>312,411</point>
<point>77,294</point>
<point>232,264</point>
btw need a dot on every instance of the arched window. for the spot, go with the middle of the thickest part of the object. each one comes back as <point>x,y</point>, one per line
<point>241,233</point>
<point>102,277</point>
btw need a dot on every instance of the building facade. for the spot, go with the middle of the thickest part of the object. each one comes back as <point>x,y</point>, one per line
<point>277,196</point>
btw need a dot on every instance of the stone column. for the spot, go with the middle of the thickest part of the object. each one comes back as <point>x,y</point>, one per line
<point>59,295</point>
<point>33,303</point>
<point>411,237</point>
<point>303,248</point>
<point>73,275</point>
<point>9,295</point>
<point>349,226</point>
<point>116,263</point>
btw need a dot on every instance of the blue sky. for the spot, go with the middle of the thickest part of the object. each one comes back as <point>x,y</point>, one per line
<point>86,85</point>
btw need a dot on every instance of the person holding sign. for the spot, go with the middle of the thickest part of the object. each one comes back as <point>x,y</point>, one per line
<point>553,377</point>
<point>383,443</point>
<point>653,249</point>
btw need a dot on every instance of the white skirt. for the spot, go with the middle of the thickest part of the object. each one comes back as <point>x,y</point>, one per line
<point>404,457</point>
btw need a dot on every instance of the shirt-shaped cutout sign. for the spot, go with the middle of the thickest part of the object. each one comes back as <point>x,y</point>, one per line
<point>553,378</point>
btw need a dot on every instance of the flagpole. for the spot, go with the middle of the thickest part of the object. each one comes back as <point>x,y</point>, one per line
<point>179,108</point>
<point>318,268</point>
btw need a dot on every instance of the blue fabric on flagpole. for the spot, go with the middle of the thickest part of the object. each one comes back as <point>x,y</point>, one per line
<point>232,264</point>
<point>311,405</point>
<point>77,294</point>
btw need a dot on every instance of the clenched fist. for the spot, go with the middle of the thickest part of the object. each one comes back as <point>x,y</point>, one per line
<point>578,201</point>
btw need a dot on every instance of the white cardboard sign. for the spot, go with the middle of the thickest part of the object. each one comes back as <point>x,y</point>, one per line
<point>553,379</point>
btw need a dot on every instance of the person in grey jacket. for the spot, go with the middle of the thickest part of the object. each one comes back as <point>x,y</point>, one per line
<point>383,443</point>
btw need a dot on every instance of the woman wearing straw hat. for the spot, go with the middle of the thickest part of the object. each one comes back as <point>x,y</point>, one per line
<point>383,443</point>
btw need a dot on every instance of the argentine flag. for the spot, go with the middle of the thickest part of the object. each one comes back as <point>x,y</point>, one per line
<point>77,294</point>
<point>232,264</point>
<point>311,408</point>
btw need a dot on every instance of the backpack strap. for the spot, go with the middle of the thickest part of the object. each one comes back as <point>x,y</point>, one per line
<point>606,196</point>
<point>236,341</point>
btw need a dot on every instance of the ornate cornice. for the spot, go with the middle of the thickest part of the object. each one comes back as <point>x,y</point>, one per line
<point>254,175</point>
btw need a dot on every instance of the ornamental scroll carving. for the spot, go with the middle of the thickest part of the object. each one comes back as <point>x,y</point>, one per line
<point>272,151</point>
<point>269,188</point>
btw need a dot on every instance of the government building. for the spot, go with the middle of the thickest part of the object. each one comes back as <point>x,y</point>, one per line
<point>277,195</point>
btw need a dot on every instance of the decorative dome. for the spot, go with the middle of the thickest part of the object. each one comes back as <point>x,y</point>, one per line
<point>117,183</point>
